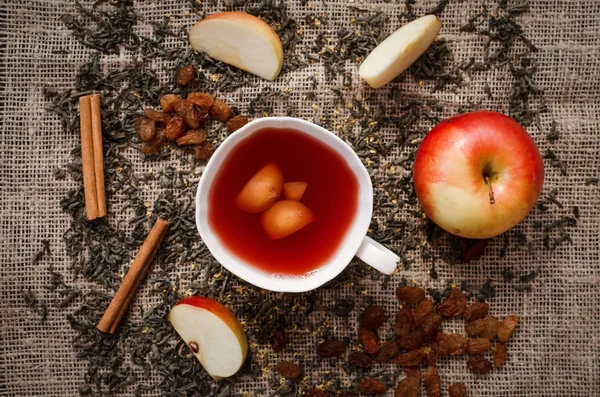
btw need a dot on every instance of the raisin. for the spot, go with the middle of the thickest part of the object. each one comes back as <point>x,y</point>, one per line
<point>404,322</point>
<point>360,360</point>
<point>153,146</point>
<point>476,311</point>
<point>289,370</point>
<point>187,112</point>
<point>432,382</point>
<point>410,295</point>
<point>185,75</point>
<point>408,387</point>
<point>410,359</point>
<point>431,324</point>
<point>454,305</point>
<point>373,317</point>
<point>499,354</point>
<point>203,151</point>
<point>278,340</point>
<point>201,99</point>
<point>314,392</point>
<point>220,110</point>
<point>479,365</point>
<point>457,390</point>
<point>506,328</point>
<point>490,327</point>
<point>430,358</point>
<point>474,328</point>
<point>422,310</point>
<point>368,339</point>
<point>331,348</point>
<point>201,114</point>
<point>388,350</point>
<point>475,251</point>
<point>371,386</point>
<point>168,101</point>
<point>478,346</point>
<point>146,128</point>
<point>159,117</point>
<point>413,341</point>
<point>412,371</point>
<point>174,128</point>
<point>236,122</point>
<point>192,137</point>
<point>449,344</point>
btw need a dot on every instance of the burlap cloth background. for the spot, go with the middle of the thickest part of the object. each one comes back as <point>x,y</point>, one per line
<point>556,351</point>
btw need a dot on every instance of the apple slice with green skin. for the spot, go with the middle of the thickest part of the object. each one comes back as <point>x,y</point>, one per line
<point>262,190</point>
<point>286,217</point>
<point>400,50</point>
<point>241,40</point>
<point>213,333</point>
<point>294,190</point>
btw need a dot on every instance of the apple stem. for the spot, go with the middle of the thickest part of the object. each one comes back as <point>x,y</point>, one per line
<point>490,190</point>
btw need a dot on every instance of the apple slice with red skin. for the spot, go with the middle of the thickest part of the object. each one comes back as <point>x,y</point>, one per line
<point>285,217</point>
<point>213,333</point>
<point>294,190</point>
<point>241,40</point>
<point>262,190</point>
<point>478,174</point>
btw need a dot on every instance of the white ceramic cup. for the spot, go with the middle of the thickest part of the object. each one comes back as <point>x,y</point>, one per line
<point>355,242</point>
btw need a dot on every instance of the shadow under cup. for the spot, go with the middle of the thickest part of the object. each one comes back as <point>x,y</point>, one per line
<point>213,229</point>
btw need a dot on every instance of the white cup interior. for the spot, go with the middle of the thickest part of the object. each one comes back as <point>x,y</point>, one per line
<point>281,282</point>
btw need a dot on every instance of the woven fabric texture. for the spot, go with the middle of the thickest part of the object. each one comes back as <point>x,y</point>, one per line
<point>556,349</point>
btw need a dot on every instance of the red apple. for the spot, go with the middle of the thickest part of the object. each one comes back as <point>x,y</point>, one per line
<point>213,333</point>
<point>478,174</point>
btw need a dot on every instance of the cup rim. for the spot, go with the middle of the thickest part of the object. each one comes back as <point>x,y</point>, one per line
<point>350,243</point>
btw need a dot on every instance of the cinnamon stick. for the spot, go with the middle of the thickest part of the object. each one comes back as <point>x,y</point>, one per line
<point>132,280</point>
<point>130,296</point>
<point>87,158</point>
<point>98,154</point>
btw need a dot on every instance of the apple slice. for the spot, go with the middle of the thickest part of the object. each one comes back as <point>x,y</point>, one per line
<point>400,50</point>
<point>241,40</point>
<point>285,217</point>
<point>262,190</point>
<point>213,333</point>
<point>294,190</point>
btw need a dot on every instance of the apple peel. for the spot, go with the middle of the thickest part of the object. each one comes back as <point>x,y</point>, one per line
<point>241,40</point>
<point>400,50</point>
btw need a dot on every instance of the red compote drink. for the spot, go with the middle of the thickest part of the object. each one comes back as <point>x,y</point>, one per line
<point>330,193</point>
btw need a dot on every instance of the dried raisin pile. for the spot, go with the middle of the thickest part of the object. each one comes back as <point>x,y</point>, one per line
<point>183,120</point>
<point>420,339</point>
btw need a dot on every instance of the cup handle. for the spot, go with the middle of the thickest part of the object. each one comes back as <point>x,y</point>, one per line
<point>377,256</point>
